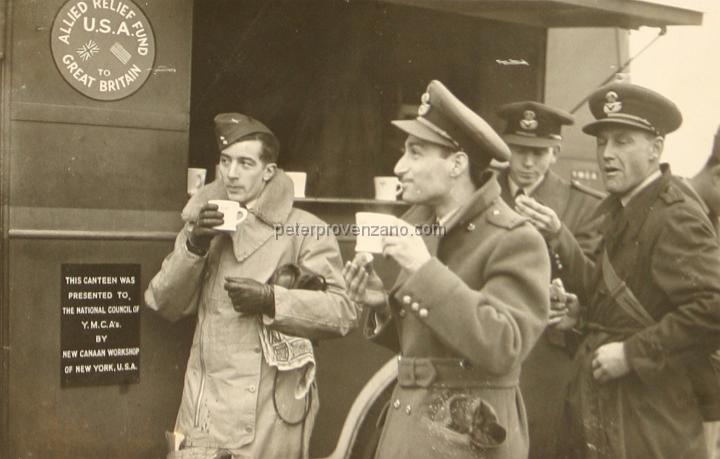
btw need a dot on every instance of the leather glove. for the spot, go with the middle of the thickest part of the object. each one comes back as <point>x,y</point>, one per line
<point>249,296</point>
<point>203,230</point>
<point>291,276</point>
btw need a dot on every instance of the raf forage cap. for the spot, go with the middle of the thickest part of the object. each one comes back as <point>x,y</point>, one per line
<point>444,120</point>
<point>532,124</point>
<point>626,104</point>
<point>231,127</point>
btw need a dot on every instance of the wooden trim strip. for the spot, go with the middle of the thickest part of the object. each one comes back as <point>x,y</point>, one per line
<point>94,116</point>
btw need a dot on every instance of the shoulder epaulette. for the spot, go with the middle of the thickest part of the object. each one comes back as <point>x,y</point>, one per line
<point>505,218</point>
<point>672,194</point>
<point>587,189</point>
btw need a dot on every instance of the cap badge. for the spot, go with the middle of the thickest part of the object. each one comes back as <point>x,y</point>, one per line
<point>234,120</point>
<point>529,123</point>
<point>424,105</point>
<point>612,104</point>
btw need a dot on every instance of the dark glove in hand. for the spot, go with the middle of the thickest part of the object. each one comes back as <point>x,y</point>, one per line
<point>203,231</point>
<point>249,296</point>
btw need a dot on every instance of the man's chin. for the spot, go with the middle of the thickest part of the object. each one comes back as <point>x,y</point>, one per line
<point>526,181</point>
<point>239,197</point>
<point>410,198</point>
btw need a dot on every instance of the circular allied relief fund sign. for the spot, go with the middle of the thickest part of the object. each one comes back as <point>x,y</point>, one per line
<point>104,48</point>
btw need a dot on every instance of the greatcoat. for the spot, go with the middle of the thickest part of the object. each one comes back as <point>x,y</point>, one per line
<point>663,247</point>
<point>463,324</point>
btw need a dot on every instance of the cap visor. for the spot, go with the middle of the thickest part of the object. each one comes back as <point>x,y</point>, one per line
<point>595,126</point>
<point>526,141</point>
<point>419,130</point>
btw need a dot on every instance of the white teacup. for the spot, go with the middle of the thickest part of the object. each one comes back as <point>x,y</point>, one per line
<point>195,179</point>
<point>371,228</point>
<point>233,214</point>
<point>387,188</point>
<point>299,180</point>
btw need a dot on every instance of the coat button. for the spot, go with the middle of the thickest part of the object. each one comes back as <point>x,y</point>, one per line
<point>408,409</point>
<point>248,428</point>
<point>406,299</point>
<point>257,350</point>
<point>496,212</point>
<point>396,403</point>
<point>471,227</point>
<point>402,313</point>
<point>423,313</point>
<point>415,306</point>
<point>252,389</point>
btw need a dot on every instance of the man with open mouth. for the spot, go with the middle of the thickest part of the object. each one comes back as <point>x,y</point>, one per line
<point>640,378</point>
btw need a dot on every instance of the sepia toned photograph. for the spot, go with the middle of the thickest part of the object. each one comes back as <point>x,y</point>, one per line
<point>359,229</point>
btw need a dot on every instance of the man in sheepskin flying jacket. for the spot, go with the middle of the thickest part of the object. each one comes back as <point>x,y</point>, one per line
<point>249,385</point>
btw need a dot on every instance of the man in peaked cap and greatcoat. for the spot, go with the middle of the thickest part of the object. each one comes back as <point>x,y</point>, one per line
<point>533,133</point>
<point>243,397</point>
<point>650,297</point>
<point>469,303</point>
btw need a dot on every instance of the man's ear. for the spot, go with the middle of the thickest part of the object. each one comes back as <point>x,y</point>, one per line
<point>269,171</point>
<point>555,151</point>
<point>657,145</point>
<point>460,163</point>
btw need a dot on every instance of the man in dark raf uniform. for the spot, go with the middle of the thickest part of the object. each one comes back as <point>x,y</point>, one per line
<point>651,295</point>
<point>469,303</point>
<point>533,133</point>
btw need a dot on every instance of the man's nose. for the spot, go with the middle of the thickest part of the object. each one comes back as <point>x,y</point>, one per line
<point>528,160</point>
<point>233,169</point>
<point>400,166</point>
<point>607,151</point>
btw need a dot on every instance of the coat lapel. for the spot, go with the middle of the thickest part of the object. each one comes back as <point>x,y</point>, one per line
<point>503,181</point>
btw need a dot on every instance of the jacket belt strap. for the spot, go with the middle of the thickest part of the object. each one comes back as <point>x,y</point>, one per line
<point>426,372</point>
<point>623,296</point>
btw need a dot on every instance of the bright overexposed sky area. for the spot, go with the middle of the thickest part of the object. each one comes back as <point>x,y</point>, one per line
<point>684,65</point>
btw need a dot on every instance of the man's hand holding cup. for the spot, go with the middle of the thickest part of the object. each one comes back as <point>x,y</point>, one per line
<point>203,230</point>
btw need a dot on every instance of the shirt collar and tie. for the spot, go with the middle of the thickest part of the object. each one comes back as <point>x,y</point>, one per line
<point>516,190</point>
<point>644,184</point>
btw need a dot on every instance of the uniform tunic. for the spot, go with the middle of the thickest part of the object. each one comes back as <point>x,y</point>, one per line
<point>664,248</point>
<point>547,369</point>
<point>463,324</point>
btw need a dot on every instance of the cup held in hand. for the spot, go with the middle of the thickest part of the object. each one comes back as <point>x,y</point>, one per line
<point>371,228</point>
<point>233,214</point>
